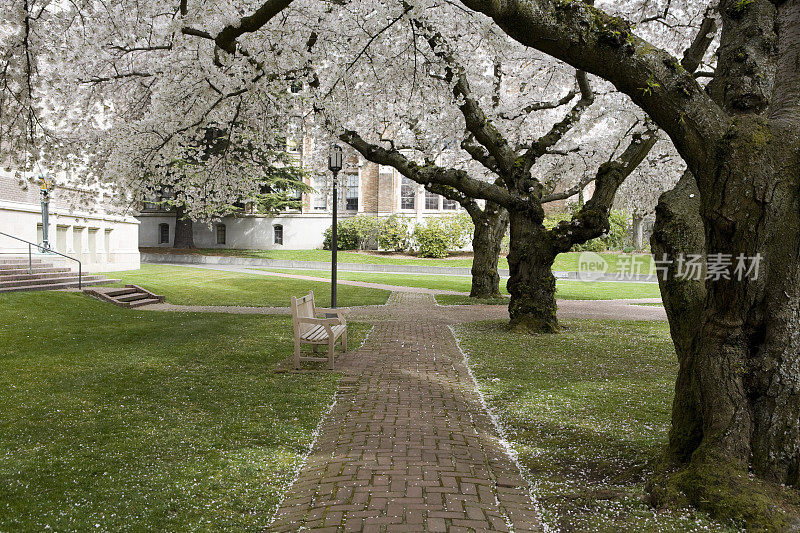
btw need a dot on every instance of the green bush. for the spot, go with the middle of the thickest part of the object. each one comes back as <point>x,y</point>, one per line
<point>346,237</point>
<point>356,233</point>
<point>438,236</point>
<point>430,240</point>
<point>393,234</point>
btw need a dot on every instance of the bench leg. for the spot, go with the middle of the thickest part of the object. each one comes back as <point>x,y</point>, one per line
<point>314,347</point>
<point>344,341</point>
<point>331,345</point>
<point>296,356</point>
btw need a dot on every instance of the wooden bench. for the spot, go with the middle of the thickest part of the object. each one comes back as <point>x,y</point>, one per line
<point>308,329</point>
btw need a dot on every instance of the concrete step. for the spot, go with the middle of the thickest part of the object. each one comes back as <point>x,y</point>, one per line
<point>145,301</point>
<point>122,291</point>
<point>55,286</point>
<point>59,273</point>
<point>32,281</point>
<point>129,296</point>
<point>19,261</point>
<point>132,297</point>
<point>35,270</point>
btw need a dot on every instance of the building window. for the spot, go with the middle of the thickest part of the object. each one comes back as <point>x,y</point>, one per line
<point>408,194</point>
<point>431,201</point>
<point>294,134</point>
<point>351,192</point>
<point>319,199</point>
<point>221,233</point>
<point>449,205</point>
<point>163,234</point>
<point>277,232</point>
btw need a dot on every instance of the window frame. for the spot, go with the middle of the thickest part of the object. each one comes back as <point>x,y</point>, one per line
<point>432,196</point>
<point>352,182</point>
<point>161,238</point>
<point>224,230</point>
<point>277,234</point>
<point>413,186</point>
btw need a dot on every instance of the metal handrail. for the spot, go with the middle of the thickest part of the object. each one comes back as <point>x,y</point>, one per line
<point>47,250</point>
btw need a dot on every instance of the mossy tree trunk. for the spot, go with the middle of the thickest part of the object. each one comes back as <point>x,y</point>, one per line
<point>531,283</point>
<point>487,239</point>
<point>184,231</point>
<point>737,395</point>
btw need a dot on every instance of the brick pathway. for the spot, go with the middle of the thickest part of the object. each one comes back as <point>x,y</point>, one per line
<point>408,445</point>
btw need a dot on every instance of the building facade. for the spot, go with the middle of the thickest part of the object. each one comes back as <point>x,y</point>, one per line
<point>364,189</point>
<point>100,238</point>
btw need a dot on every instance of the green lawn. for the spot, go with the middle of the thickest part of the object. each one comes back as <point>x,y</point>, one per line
<point>565,289</point>
<point>564,262</point>
<point>201,286</point>
<point>588,411</point>
<point>119,420</point>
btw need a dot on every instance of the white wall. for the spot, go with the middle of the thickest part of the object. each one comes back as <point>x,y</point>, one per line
<point>300,231</point>
<point>102,242</point>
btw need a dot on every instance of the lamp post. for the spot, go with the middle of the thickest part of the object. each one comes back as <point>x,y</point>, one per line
<point>334,165</point>
<point>47,184</point>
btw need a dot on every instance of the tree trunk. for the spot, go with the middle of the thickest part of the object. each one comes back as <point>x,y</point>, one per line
<point>490,228</point>
<point>184,233</point>
<point>678,231</point>
<point>737,396</point>
<point>637,228</point>
<point>532,285</point>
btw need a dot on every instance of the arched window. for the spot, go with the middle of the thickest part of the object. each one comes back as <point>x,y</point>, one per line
<point>163,234</point>
<point>221,233</point>
<point>277,232</point>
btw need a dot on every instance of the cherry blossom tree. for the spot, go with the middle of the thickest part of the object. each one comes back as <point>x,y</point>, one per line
<point>737,409</point>
<point>737,405</point>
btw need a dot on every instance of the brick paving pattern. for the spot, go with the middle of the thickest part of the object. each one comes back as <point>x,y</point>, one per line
<point>408,445</point>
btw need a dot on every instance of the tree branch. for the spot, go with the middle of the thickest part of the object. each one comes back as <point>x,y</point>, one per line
<point>478,124</point>
<point>543,144</point>
<point>226,39</point>
<point>592,219</point>
<point>590,39</point>
<point>541,106</point>
<point>430,173</point>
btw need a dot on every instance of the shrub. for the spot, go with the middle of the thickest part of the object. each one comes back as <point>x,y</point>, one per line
<point>438,236</point>
<point>393,234</point>
<point>431,240</point>
<point>356,233</point>
<point>346,237</point>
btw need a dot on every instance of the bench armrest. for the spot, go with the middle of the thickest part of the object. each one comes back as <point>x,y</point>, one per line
<point>327,322</point>
<point>328,310</point>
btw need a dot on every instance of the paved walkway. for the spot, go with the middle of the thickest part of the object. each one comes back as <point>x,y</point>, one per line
<point>408,445</point>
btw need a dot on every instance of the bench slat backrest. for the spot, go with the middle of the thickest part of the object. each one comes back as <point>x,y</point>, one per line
<point>302,308</point>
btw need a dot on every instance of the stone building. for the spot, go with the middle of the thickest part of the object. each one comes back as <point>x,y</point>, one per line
<point>364,189</point>
<point>82,224</point>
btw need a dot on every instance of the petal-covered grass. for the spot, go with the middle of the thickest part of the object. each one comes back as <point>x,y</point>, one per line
<point>587,411</point>
<point>563,262</point>
<point>118,420</point>
<point>203,286</point>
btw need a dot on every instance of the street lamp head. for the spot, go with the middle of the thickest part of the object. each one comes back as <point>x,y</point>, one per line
<point>335,159</point>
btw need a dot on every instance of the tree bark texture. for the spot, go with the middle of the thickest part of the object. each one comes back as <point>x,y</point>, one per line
<point>491,224</point>
<point>531,283</point>
<point>184,232</point>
